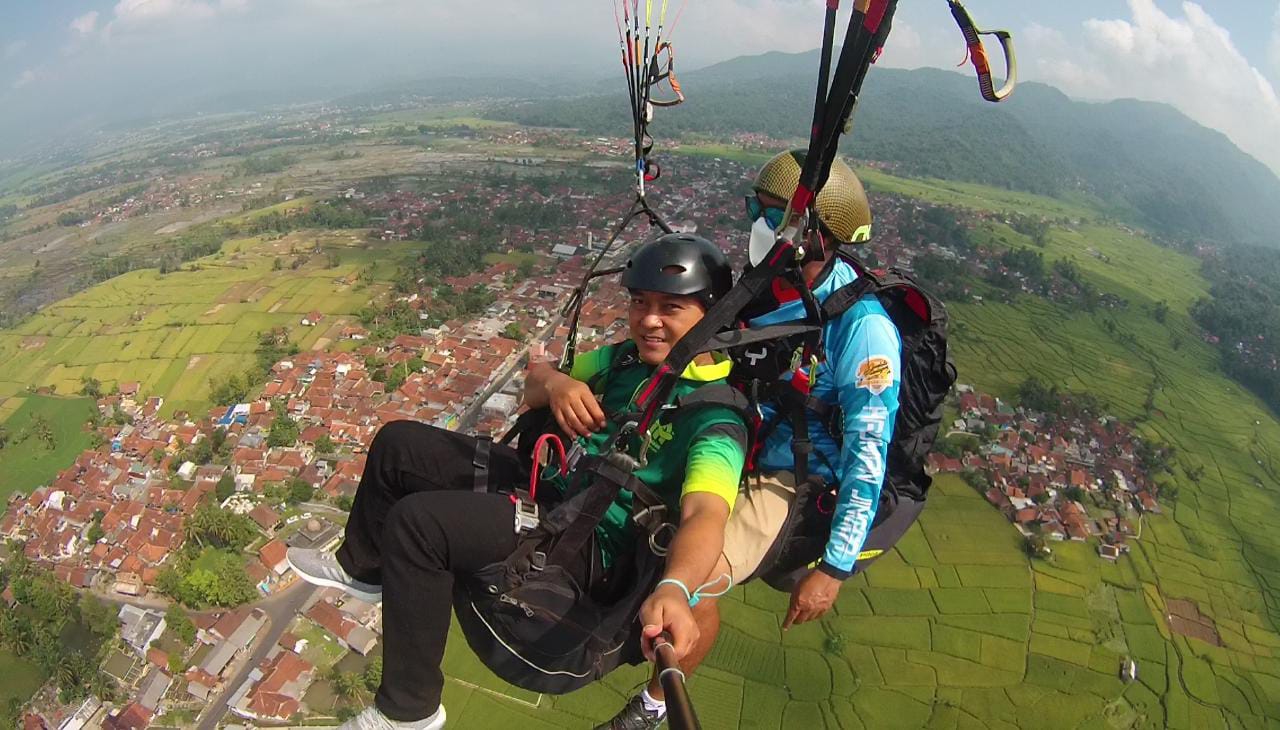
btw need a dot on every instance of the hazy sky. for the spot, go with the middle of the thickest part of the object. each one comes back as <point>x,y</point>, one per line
<point>1217,60</point>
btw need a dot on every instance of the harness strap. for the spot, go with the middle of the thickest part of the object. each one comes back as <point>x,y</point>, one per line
<point>722,314</point>
<point>752,335</point>
<point>480,464</point>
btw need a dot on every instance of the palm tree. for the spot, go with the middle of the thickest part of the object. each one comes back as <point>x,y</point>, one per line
<point>346,686</point>
<point>63,599</point>
<point>67,673</point>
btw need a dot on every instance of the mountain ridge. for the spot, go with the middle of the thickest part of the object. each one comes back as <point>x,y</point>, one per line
<point>1145,162</point>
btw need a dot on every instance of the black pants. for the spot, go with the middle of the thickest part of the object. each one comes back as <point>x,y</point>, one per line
<point>419,519</point>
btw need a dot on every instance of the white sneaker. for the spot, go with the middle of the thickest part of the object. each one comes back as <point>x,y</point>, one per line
<point>323,569</point>
<point>373,719</point>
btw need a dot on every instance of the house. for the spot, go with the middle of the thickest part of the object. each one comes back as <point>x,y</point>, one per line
<point>83,714</point>
<point>265,518</point>
<point>278,696</point>
<point>274,556</point>
<point>240,626</point>
<point>133,717</point>
<point>128,583</point>
<point>157,658</point>
<point>218,659</point>
<point>1108,552</point>
<point>1128,669</point>
<point>140,626</point>
<point>348,633</point>
<point>152,689</point>
<point>312,319</point>
<point>200,684</point>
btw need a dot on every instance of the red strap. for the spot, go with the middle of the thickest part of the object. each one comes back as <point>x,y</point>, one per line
<point>535,470</point>
<point>875,15</point>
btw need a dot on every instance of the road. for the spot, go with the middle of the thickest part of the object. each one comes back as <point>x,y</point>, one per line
<point>508,368</point>
<point>280,610</point>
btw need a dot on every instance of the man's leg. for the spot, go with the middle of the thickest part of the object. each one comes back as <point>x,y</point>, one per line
<point>430,537</point>
<point>405,458</point>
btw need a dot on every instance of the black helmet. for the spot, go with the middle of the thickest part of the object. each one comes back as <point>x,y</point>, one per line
<point>680,263</point>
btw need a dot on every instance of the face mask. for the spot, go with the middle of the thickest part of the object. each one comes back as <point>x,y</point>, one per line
<point>762,238</point>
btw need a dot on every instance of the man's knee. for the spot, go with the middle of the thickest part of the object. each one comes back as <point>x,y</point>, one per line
<point>412,527</point>
<point>397,434</point>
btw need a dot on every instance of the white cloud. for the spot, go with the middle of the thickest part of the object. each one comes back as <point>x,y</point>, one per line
<point>1189,62</point>
<point>26,78</point>
<point>86,24</point>
<point>11,50</point>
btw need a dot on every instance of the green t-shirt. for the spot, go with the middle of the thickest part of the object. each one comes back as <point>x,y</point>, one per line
<point>701,451</point>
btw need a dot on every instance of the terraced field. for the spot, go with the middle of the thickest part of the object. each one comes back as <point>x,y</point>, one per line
<point>956,628</point>
<point>174,332</point>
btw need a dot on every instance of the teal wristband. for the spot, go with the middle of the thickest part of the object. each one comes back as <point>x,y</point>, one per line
<point>680,584</point>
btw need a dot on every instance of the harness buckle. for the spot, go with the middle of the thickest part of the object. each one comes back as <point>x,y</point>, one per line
<point>661,550</point>
<point>527,518</point>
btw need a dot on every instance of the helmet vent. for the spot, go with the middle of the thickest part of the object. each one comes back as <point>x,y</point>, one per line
<point>674,270</point>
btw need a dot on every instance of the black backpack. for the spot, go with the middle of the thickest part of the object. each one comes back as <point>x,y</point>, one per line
<point>928,375</point>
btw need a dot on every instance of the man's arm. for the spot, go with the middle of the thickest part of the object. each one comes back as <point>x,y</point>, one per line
<point>712,473</point>
<point>867,360</point>
<point>694,551</point>
<point>868,394</point>
<point>572,403</point>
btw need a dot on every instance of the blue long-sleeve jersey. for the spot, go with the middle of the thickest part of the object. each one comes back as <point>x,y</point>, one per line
<point>860,372</point>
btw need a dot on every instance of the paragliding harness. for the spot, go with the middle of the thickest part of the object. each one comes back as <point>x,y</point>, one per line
<point>927,377</point>
<point>528,618</point>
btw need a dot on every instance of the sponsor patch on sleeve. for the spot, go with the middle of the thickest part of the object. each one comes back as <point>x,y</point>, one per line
<point>875,374</point>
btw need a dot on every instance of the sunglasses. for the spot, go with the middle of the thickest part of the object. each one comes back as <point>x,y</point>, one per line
<point>772,216</point>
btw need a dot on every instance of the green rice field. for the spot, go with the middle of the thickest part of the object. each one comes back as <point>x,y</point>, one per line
<point>28,463</point>
<point>173,332</point>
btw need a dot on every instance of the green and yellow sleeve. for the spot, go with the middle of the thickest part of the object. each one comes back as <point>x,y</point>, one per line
<point>587,364</point>
<point>716,460</point>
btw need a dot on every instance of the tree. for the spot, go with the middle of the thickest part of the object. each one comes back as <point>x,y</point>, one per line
<point>228,391</point>
<point>91,387</point>
<point>218,440</point>
<point>43,431</point>
<point>299,491</point>
<point>284,431</point>
<point>346,685</point>
<point>1160,311</point>
<point>4,437</point>
<point>344,502</point>
<point>513,332</point>
<point>178,620</point>
<point>226,487</point>
<point>324,445</point>
<point>372,675</point>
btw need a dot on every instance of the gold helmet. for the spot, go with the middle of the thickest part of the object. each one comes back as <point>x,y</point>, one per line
<point>842,205</point>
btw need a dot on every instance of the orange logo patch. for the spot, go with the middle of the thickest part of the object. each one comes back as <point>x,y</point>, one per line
<point>875,374</point>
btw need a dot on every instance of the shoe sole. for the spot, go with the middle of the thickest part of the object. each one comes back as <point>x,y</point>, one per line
<point>347,588</point>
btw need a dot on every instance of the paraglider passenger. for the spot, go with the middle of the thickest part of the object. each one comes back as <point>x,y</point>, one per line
<point>422,516</point>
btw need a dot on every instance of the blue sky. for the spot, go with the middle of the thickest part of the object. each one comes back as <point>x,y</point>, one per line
<point>89,60</point>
